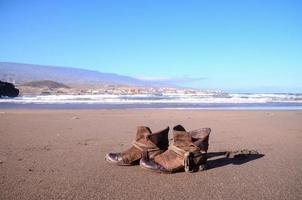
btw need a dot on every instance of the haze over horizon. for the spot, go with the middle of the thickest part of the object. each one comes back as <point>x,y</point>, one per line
<point>237,46</point>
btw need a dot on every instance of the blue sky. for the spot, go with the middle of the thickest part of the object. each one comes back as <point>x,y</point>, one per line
<point>234,45</point>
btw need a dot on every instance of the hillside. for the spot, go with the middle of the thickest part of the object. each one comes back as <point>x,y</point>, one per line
<point>22,73</point>
<point>45,84</point>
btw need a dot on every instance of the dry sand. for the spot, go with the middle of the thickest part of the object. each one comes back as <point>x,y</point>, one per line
<point>59,154</point>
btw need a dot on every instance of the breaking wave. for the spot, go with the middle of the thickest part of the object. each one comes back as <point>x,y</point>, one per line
<point>213,98</point>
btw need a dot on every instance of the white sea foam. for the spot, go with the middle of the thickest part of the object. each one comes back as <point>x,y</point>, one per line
<point>162,98</point>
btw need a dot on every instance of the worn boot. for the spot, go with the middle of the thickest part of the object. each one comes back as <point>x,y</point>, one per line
<point>188,152</point>
<point>146,141</point>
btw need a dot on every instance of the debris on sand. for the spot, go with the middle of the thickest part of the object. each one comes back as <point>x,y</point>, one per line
<point>241,153</point>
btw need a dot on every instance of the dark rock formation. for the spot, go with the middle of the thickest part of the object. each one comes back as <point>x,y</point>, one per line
<point>8,89</point>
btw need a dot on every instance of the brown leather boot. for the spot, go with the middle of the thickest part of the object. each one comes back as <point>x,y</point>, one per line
<point>146,141</point>
<point>188,152</point>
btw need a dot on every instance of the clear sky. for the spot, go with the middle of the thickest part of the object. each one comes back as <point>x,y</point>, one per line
<point>233,45</point>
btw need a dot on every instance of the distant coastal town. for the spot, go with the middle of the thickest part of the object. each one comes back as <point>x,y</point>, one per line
<point>54,88</point>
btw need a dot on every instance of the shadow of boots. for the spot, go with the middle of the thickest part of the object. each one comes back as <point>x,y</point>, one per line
<point>220,159</point>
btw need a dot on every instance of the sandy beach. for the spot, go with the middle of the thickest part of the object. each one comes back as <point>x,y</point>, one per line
<point>59,154</point>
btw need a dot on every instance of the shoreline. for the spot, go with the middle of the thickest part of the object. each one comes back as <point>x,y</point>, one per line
<point>160,106</point>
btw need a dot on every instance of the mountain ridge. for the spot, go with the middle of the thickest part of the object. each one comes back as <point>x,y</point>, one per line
<point>21,73</point>
<point>45,83</point>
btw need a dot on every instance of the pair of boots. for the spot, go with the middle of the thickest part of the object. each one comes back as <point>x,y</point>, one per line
<point>153,152</point>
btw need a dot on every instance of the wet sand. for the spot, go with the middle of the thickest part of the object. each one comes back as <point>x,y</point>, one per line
<point>59,154</point>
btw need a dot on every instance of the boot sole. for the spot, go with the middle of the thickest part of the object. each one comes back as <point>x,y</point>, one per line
<point>202,167</point>
<point>156,171</point>
<point>122,164</point>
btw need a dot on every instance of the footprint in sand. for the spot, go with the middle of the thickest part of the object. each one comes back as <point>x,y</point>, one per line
<point>2,159</point>
<point>43,148</point>
<point>89,141</point>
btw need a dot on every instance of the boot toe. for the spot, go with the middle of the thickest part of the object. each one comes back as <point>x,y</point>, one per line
<point>151,165</point>
<point>113,158</point>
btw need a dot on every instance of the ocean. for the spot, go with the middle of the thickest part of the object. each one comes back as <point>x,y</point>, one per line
<point>236,101</point>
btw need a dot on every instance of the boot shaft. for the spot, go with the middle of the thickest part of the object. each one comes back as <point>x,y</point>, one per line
<point>160,139</point>
<point>198,138</point>
<point>187,152</point>
<point>145,142</point>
